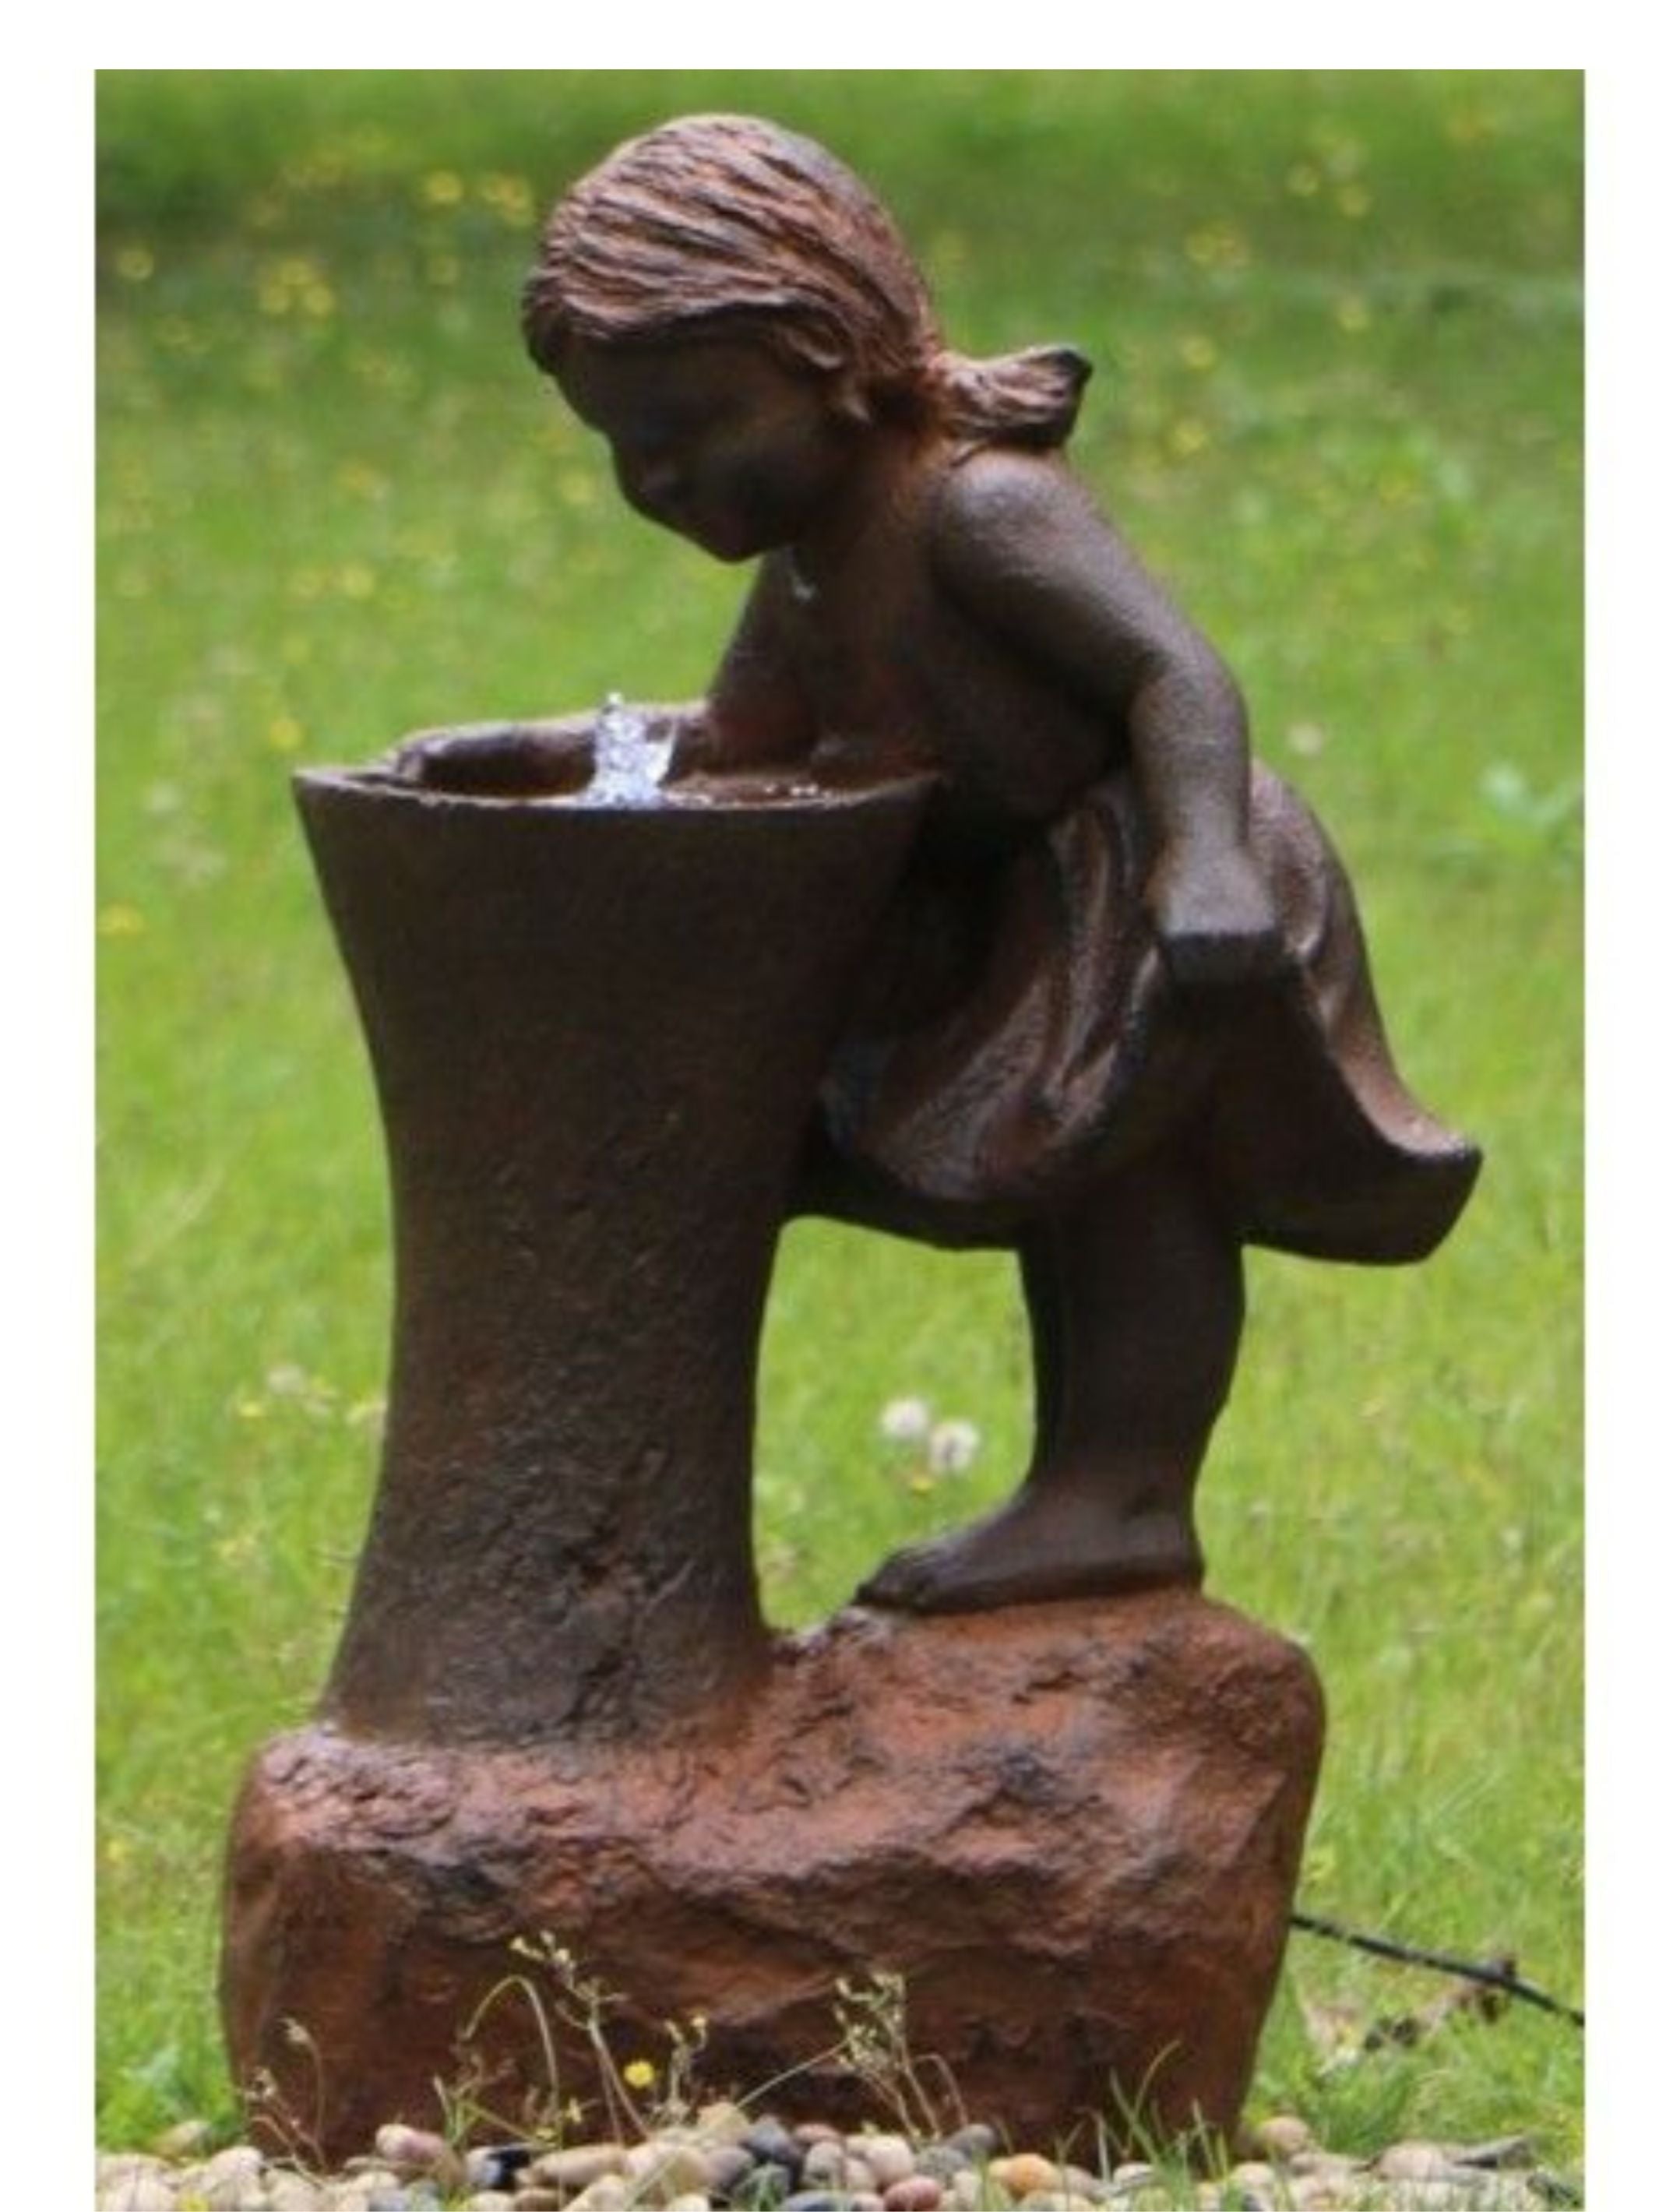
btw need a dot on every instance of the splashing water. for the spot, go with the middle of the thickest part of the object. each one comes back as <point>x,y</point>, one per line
<point>630,758</point>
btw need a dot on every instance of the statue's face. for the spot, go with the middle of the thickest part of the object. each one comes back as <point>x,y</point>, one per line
<point>715,438</point>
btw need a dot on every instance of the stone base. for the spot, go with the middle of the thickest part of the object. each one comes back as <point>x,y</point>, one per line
<point>1073,1829</point>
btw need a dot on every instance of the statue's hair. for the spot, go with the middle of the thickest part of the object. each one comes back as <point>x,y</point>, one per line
<point>722,225</point>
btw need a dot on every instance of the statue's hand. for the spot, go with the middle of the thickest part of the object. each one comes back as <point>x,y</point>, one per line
<point>495,756</point>
<point>1214,915</point>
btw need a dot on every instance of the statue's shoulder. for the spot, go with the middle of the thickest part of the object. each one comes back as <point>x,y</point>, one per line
<point>1003,509</point>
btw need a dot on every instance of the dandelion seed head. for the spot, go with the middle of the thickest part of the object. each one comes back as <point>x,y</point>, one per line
<point>906,1420</point>
<point>952,1446</point>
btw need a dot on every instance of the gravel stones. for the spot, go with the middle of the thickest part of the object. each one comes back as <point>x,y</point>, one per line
<point>727,2162</point>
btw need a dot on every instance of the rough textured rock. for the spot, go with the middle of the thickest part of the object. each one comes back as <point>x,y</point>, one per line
<point>1073,1829</point>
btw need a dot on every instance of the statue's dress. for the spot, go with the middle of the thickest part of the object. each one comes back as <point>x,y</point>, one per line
<point>1063,1052</point>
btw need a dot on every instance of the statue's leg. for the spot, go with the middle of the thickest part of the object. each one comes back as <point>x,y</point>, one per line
<point>1136,1317</point>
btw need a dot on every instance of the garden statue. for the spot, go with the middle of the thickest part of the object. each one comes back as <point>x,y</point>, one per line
<point>958,910</point>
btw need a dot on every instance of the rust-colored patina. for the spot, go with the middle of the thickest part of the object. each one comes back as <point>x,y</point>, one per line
<point>964,916</point>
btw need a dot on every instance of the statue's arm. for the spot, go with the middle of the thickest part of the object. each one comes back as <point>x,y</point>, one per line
<point>549,754</point>
<point>1018,543</point>
<point>754,714</point>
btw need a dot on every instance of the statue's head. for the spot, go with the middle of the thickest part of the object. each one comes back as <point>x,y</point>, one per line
<point>725,225</point>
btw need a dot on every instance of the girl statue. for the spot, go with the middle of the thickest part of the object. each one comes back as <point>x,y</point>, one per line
<point>1121,1020</point>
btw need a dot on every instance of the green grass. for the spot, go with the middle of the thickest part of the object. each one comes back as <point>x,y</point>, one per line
<point>1338,325</point>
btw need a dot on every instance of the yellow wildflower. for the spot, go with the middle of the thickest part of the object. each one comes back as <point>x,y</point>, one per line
<point>1217,245</point>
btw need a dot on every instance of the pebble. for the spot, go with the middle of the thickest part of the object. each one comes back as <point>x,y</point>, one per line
<point>729,2164</point>
<point>824,2165</point>
<point>977,2142</point>
<point>1416,2162</point>
<point>1253,2173</point>
<point>137,2193</point>
<point>120,2166</point>
<point>1281,2138</point>
<point>188,2140</point>
<point>918,2192</point>
<point>1505,2154</point>
<point>414,2154</point>
<point>890,2159</point>
<point>1025,2173</point>
<point>493,2168</point>
<point>293,2192</point>
<point>578,2167</point>
<point>230,2181</point>
<point>1078,2184</point>
<point>722,2123</point>
<point>659,2170</point>
<point>773,2144</point>
<point>609,2192</point>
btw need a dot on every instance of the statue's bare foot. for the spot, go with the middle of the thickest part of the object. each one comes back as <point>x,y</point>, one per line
<point>1046,1543</point>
